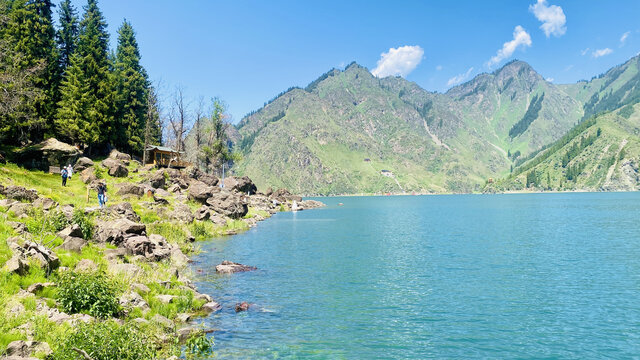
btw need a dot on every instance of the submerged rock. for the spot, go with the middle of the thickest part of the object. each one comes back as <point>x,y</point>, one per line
<point>243,306</point>
<point>229,267</point>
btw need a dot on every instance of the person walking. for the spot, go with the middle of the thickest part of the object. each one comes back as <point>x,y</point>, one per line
<point>69,171</point>
<point>64,173</point>
<point>102,194</point>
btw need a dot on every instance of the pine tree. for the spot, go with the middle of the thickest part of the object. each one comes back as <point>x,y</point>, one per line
<point>67,35</point>
<point>153,127</point>
<point>31,36</point>
<point>131,89</point>
<point>87,89</point>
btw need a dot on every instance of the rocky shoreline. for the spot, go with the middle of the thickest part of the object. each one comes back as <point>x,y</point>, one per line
<point>142,242</point>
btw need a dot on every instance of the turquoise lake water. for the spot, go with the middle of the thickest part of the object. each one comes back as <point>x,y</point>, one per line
<point>452,276</point>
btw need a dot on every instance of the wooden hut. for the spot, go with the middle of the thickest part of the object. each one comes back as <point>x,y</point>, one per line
<point>163,156</point>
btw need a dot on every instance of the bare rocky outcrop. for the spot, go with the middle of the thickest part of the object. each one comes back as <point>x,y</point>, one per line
<point>228,204</point>
<point>124,210</point>
<point>20,193</point>
<point>31,251</point>
<point>24,349</point>
<point>241,184</point>
<point>197,174</point>
<point>88,175</point>
<point>283,195</point>
<point>117,155</point>
<point>115,167</point>
<point>82,164</point>
<point>50,152</point>
<point>182,213</point>
<point>73,239</point>
<point>130,189</point>
<point>45,203</point>
<point>229,267</point>
<point>200,192</point>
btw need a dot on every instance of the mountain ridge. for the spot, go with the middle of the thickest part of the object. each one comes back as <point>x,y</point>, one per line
<point>337,134</point>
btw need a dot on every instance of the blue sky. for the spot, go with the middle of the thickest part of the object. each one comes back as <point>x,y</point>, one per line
<point>246,52</point>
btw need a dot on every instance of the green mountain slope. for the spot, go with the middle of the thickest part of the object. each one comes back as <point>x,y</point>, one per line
<point>600,154</point>
<point>338,134</point>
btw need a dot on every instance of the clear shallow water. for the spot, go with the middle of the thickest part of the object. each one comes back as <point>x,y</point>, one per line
<point>414,277</point>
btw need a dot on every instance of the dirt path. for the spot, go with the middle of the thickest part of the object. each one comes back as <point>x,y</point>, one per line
<point>434,137</point>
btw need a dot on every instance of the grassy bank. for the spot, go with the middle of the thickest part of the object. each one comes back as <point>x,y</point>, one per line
<point>109,329</point>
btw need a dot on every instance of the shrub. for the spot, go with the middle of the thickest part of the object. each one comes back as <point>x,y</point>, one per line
<point>88,292</point>
<point>106,341</point>
<point>85,222</point>
<point>40,222</point>
<point>198,346</point>
<point>98,171</point>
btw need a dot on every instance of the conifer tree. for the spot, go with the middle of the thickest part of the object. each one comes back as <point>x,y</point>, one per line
<point>131,93</point>
<point>67,35</point>
<point>31,36</point>
<point>85,103</point>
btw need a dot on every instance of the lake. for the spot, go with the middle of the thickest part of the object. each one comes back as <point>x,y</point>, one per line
<point>450,276</point>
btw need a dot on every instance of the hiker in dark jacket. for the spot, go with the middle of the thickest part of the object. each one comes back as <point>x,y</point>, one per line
<point>102,194</point>
<point>64,174</point>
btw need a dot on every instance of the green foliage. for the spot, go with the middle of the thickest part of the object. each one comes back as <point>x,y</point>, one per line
<point>85,222</point>
<point>67,34</point>
<point>92,293</point>
<point>577,148</point>
<point>626,111</point>
<point>87,94</point>
<point>199,346</point>
<point>40,222</point>
<point>131,93</point>
<point>28,49</point>
<point>106,341</point>
<point>532,113</point>
<point>532,179</point>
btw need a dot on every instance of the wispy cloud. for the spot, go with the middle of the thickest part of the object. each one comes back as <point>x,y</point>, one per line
<point>624,37</point>
<point>520,38</point>
<point>584,52</point>
<point>568,67</point>
<point>398,61</point>
<point>549,79</point>
<point>601,52</point>
<point>459,78</point>
<point>552,17</point>
<point>439,67</point>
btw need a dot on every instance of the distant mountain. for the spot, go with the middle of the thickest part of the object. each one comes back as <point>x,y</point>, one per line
<point>349,132</point>
<point>602,153</point>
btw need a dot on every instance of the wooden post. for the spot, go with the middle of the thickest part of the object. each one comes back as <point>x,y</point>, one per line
<point>87,194</point>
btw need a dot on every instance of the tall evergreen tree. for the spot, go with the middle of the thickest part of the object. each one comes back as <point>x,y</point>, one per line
<point>131,93</point>
<point>153,127</point>
<point>85,102</point>
<point>67,35</point>
<point>30,34</point>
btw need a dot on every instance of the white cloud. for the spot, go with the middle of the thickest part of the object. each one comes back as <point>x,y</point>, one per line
<point>552,18</point>
<point>601,52</point>
<point>520,38</point>
<point>549,79</point>
<point>399,61</point>
<point>439,67</point>
<point>584,52</point>
<point>624,37</point>
<point>459,78</point>
<point>568,67</point>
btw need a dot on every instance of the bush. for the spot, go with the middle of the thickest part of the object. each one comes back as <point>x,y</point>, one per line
<point>199,346</point>
<point>40,222</point>
<point>88,292</point>
<point>106,341</point>
<point>85,222</point>
<point>98,171</point>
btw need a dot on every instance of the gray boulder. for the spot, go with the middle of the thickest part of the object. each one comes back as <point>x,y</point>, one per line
<point>116,168</point>
<point>88,175</point>
<point>115,154</point>
<point>45,203</point>
<point>240,184</point>
<point>17,265</point>
<point>25,349</point>
<point>82,164</point>
<point>182,213</point>
<point>228,204</point>
<point>203,213</point>
<point>20,193</point>
<point>130,189</point>
<point>124,210</point>
<point>86,265</point>
<point>74,244</point>
<point>229,267</point>
<point>200,192</point>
